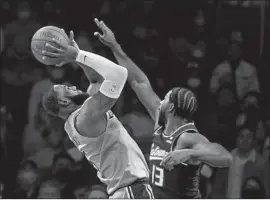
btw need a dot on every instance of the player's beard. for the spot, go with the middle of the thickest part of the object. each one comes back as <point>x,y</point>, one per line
<point>79,99</point>
<point>162,118</point>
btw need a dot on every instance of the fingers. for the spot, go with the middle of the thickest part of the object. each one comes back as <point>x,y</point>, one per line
<point>50,54</point>
<point>169,165</point>
<point>60,64</point>
<point>71,35</point>
<point>101,25</point>
<point>104,25</point>
<point>165,160</point>
<point>97,22</point>
<point>50,47</point>
<point>97,34</point>
<point>59,43</point>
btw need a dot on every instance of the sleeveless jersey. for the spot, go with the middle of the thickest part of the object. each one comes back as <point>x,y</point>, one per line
<point>182,181</point>
<point>117,158</point>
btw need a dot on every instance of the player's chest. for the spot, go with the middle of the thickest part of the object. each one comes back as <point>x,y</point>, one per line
<point>159,150</point>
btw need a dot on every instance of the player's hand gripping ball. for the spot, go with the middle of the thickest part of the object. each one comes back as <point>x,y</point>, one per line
<point>57,50</point>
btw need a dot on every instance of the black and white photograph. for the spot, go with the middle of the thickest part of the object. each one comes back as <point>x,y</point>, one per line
<point>134,99</point>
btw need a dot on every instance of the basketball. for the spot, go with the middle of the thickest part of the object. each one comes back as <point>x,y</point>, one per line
<point>43,36</point>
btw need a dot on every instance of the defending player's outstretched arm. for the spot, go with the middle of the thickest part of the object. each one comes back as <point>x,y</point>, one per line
<point>195,147</point>
<point>136,77</point>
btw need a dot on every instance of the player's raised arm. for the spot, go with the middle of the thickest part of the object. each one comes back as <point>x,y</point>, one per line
<point>114,78</point>
<point>136,77</point>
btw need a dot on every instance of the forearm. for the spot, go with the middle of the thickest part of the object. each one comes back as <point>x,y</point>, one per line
<point>138,81</point>
<point>114,75</point>
<point>106,68</point>
<point>135,74</point>
<point>215,155</point>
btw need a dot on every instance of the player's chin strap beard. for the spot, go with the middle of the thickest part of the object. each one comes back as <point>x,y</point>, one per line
<point>79,99</point>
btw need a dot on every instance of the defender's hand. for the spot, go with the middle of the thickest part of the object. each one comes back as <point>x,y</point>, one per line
<point>176,157</point>
<point>107,36</point>
<point>65,53</point>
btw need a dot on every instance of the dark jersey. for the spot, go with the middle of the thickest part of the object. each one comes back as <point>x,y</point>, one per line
<point>183,180</point>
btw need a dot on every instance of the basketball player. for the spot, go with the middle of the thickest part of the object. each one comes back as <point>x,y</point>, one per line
<point>91,125</point>
<point>178,149</point>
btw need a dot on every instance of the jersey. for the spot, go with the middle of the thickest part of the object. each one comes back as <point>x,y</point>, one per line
<point>118,159</point>
<point>182,181</point>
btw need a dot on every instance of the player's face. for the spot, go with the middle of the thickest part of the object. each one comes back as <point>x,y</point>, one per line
<point>71,95</point>
<point>164,109</point>
<point>66,91</point>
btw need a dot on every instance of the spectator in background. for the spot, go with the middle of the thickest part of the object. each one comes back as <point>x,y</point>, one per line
<point>226,102</point>
<point>49,189</point>
<point>197,39</point>
<point>27,181</point>
<point>249,109</point>
<point>62,168</point>
<point>266,147</point>
<point>83,41</point>
<point>253,188</point>
<point>76,191</point>
<point>177,60</point>
<point>29,165</point>
<point>39,127</point>
<point>260,135</point>
<point>19,32</point>
<point>1,40</point>
<point>97,192</point>
<point>246,163</point>
<point>194,80</point>
<point>251,104</point>
<point>226,109</point>
<point>1,189</point>
<point>235,70</point>
<point>138,120</point>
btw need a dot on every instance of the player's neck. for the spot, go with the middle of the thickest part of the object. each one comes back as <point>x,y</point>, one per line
<point>172,125</point>
<point>65,115</point>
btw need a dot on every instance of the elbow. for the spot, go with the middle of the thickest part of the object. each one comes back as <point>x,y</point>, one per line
<point>124,73</point>
<point>118,74</point>
<point>227,157</point>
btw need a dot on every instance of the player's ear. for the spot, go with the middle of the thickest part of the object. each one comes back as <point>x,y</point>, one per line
<point>171,107</point>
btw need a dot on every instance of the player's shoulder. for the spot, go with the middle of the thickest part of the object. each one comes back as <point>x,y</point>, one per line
<point>86,127</point>
<point>192,137</point>
<point>71,118</point>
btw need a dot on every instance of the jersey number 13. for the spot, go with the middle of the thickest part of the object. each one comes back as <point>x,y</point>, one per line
<point>157,176</point>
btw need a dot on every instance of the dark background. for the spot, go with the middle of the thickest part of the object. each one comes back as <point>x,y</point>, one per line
<point>219,49</point>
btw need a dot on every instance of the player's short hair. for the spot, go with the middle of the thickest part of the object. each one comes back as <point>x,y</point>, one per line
<point>50,102</point>
<point>185,102</point>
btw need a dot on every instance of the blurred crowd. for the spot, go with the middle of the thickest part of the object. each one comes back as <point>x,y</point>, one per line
<point>219,49</point>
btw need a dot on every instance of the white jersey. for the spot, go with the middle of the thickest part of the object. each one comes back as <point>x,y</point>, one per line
<point>117,158</point>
